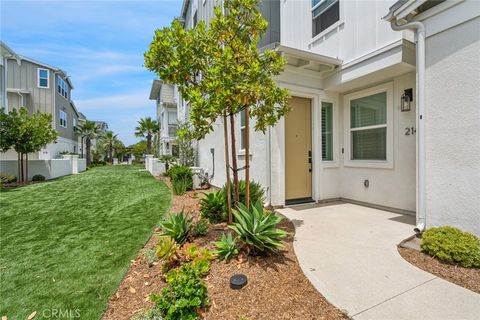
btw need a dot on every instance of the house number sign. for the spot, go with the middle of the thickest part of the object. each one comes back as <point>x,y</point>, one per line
<point>410,131</point>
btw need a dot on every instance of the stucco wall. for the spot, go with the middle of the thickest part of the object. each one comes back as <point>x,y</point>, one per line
<point>50,169</point>
<point>453,127</point>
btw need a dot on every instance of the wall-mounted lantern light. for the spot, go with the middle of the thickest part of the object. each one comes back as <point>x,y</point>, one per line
<point>407,98</point>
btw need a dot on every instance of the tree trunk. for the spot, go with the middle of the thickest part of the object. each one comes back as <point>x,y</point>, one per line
<point>19,170</point>
<point>234,161</point>
<point>247,156</point>
<point>26,167</point>
<point>149,144</point>
<point>227,168</point>
<point>110,154</point>
<point>87,145</point>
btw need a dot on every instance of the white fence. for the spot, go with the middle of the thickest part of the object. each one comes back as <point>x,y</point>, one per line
<point>50,169</point>
<point>154,166</point>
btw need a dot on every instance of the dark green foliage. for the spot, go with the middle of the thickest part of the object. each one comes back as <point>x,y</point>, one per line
<point>180,186</point>
<point>452,245</point>
<point>256,193</point>
<point>200,228</point>
<point>212,206</point>
<point>38,177</point>
<point>226,247</point>
<point>257,230</point>
<point>186,291</point>
<point>181,173</point>
<point>177,226</point>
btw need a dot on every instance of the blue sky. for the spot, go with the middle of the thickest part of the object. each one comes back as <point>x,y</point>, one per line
<point>100,44</point>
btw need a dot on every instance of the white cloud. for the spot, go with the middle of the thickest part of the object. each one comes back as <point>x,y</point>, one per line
<point>135,100</point>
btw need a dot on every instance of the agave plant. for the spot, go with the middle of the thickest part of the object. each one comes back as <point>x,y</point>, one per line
<point>177,226</point>
<point>258,229</point>
<point>212,206</point>
<point>226,247</point>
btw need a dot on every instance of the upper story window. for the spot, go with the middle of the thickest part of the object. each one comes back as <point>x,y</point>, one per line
<point>43,78</point>
<point>74,123</point>
<point>62,87</point>
<point>324,14</point>
<point>63,118</point>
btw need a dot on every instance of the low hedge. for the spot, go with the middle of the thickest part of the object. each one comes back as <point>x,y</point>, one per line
<point>452,245</point>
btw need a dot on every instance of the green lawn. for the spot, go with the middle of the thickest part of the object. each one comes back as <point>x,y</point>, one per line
<point>66,243</point>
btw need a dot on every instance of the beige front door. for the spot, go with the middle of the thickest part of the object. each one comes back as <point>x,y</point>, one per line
<point>298,146</point>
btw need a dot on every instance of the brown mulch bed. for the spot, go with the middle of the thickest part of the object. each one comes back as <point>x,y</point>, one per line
<point>276,289</point>
<point>468,278</point>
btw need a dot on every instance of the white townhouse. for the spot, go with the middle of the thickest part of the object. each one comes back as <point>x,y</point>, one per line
<point>385,107</point>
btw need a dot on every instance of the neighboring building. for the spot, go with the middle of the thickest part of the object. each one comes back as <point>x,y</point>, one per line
<point>352,131</point>
<point>170,111</point>
<point>40,87</point>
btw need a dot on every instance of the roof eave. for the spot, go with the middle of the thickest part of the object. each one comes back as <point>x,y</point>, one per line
<point>155,90</point>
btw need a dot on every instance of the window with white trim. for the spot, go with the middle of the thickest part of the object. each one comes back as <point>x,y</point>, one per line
<point>368,127</point>
<point>242,130</point>
<point>324,14</point>
<point>62,87</point>
<point>327,131</point>
<point>63,118</point>
<point>43,77</point>
<point>74,123</point>
<point>172,123</point>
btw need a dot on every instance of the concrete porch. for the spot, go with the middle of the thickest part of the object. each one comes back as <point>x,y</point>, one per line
<point>349,253</point>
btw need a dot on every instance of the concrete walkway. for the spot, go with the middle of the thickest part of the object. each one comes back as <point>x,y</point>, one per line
<point>349,254</point>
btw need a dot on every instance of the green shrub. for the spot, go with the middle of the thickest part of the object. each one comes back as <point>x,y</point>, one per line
<point>180,186</point>
<point>151,314</point>
<point>200,228</point>
<point>177,226</point>
<point>38,177</point>
<point>186,292</point>
<point>212,206</point>
<point>257,230</point>
<point>226,247</point>
<point>256,193</point>
<point>181,173</point>
<point>452,245</point>
<point>7,178</point>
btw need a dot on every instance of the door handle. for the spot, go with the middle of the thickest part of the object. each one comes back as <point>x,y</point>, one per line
<point>310,160</point>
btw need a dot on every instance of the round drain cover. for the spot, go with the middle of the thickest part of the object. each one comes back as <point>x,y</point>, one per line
<point>238,281</point>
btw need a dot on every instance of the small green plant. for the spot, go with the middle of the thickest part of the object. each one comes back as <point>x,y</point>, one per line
<point>151,314</point>
<point>150,256</point>
<point>38,177</point>
<point>7,178</point>
<point>200,228</point>
<point>452,245</point>
<point>180,186</point>
<point>181,173</point>
<point>186,292</point>
<point>258,230</point>
<point>226,247</point>
<point>177,226</point>
<point>256,193</point>
<point>212,206</point>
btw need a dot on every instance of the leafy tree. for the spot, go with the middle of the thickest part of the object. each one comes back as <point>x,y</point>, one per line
<point>108,140</point>
<point>220,72</point>
<point>119,148</point>
<point>89,130</point>
<point>25,134</point>
<point>138,149</point>
<point>185,139</point>
<point>147,128</point>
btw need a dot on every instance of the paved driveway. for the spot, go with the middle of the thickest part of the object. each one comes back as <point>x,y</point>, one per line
<point>349,254</point>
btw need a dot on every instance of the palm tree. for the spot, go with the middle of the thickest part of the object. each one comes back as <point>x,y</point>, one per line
<point>108,140</point>
<point>147,128</point>
<point>90,131</point>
